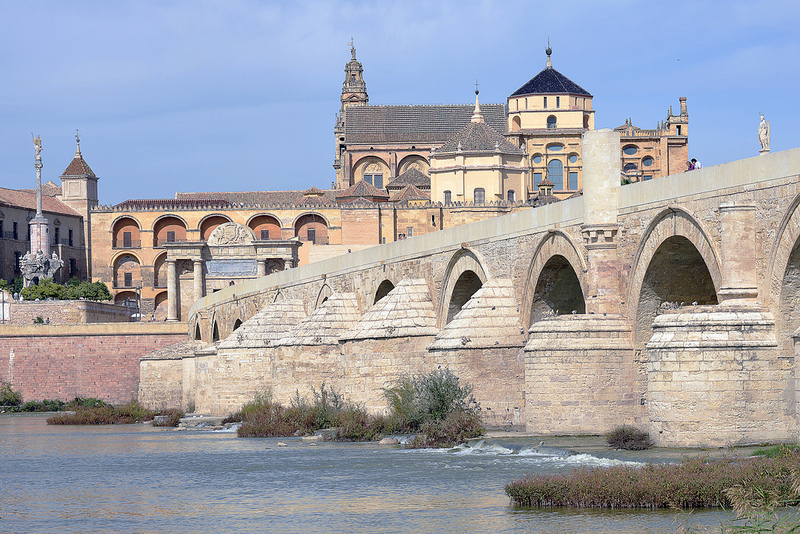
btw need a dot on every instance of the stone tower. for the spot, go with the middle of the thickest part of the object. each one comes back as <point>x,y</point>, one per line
<point>354,93</point>
<point>79,192</point>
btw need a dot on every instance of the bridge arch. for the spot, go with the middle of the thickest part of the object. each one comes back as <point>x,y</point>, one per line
<point>782,283</point>
<point>383,289</point>
<point>324,292</point>
<point>556,279</point>
<point>675,262</point>
<point>465,274</point>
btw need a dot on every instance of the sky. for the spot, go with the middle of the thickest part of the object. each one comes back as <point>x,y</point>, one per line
<point>241,95</point>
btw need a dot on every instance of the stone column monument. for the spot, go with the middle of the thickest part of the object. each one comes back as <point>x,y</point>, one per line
<point>37,262</point>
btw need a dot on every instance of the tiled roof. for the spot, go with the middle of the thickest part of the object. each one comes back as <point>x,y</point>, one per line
<point>412,176</point>
<point>490,318</point>
<point>410,192</point>
<point>324,326</point>
<point>550,81</point>
<point>406,311</point>
<point>362,189</point>
<point>49,188</point>
<point>266,327</point>
<point>313,191</point>
<point>26,199</point>
<point>478,137</point>
<point>258,197</point>
<point>374,125</point>
<point>78,167</point>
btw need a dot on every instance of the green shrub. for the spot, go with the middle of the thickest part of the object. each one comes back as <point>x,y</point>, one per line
<point>775,451</point>
<point>415,400</point>
<point>87,290</point>
<point>629,438</point>
<point>693,483</point>
<point>456,428</point>
<point>45,289</point>
<point>104,414</point>
<point>8,396</point>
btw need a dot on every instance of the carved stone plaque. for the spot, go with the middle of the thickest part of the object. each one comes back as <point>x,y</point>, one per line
<point>231,267</point>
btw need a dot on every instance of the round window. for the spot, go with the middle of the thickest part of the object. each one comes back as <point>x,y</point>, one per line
<point>537,158</point>
<point>647,161</point>
<point>630,150</point>
<point>555,148</point>
<point>573,158</point>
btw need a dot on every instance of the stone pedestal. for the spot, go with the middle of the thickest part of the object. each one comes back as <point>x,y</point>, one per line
<point>715,378</point>
<point>580,376</point>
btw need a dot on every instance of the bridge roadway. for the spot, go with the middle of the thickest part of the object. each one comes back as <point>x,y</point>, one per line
<point>669,304</point>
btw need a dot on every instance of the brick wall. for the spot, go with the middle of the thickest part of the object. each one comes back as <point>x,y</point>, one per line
<point>86,360</point>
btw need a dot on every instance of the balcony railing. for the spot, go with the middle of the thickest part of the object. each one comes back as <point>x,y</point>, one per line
<point>127,243</point>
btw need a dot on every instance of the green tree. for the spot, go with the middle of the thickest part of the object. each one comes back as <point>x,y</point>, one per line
<point>87,290</point>
<point>45,289</point>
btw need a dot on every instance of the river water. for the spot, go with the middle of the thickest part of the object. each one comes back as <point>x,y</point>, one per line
<point>135,478</point>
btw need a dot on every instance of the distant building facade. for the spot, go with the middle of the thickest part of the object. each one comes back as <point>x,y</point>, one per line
<point>545,118</point>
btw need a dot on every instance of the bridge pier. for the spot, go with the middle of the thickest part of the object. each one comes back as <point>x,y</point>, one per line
<point>716,378</point>
<point>580,376</point>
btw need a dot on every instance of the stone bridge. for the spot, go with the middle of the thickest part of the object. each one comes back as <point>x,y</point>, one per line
<point>667,304</point>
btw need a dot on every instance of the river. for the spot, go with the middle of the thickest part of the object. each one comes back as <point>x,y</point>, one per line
<point>136,478</point>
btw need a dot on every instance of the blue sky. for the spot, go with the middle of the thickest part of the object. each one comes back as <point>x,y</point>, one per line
<point>241,95</point>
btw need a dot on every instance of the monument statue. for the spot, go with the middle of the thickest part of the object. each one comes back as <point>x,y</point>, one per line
<point>763,134</point>
<point>37,266</point>
<point>37,143</point>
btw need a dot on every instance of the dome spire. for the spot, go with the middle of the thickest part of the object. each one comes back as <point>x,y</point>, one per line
<point>548,51</point>
<point>476,115</point>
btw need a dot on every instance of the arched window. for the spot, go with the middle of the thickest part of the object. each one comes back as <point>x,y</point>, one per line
<point>479,195</point>
<point>516,124</point>
<point>555,173</point>
<point>448,197</point>
<point>551,122</point>
<point>510,195</point>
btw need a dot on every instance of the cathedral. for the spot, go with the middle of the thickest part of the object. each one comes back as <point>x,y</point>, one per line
<point>534,136</point>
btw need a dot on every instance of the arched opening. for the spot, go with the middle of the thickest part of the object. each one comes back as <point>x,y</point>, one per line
<point>383,290</point>
<point>676,276</point>
<point>126,298</point>
<point>413,162</point>
<point>789,305</point>
<point>210,223</point>
<point>168,230</point>
<point>516,124</point>
<point>127,272</point>
<point>237,324</point>
<point>161,305</point>
<point>311,227</point>
<point>265,227</point>
<point>197,335</point>
<point>160,271</point>
<point>555,173</point>
<point>466,286</point>
<point>558,291</point>
<point>215,332</point>
<point>126,233</point>
<point>551,122</point>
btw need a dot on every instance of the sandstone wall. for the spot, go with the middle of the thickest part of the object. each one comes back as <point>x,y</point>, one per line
<point>23,313</point>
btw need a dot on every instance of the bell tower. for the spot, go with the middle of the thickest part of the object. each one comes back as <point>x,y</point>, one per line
<point>354,93</point>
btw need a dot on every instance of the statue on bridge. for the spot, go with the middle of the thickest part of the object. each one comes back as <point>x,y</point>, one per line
<point>763,135</point>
